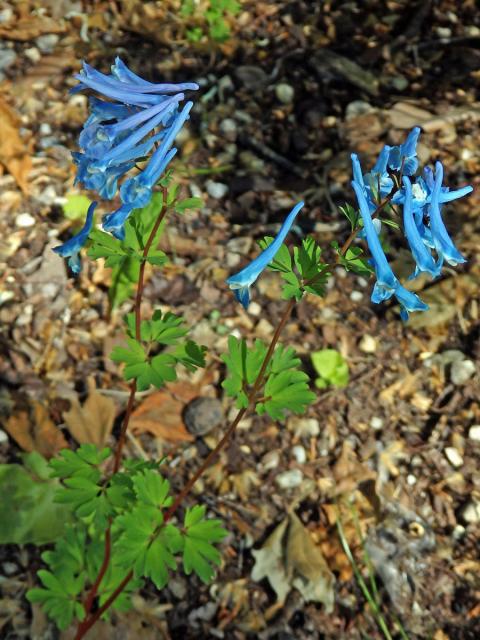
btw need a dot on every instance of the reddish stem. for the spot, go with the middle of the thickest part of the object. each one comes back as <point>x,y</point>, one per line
<point>88,622</point>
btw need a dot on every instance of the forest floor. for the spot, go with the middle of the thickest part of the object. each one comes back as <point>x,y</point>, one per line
<point>394,455</point>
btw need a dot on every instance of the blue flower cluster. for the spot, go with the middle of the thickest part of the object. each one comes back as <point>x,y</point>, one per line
<point>392,178</point>
<point>131,118</point>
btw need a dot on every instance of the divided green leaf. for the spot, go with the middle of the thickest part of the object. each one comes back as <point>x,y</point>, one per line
<point>199,553</point>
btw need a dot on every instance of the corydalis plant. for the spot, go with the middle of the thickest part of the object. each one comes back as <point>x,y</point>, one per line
<point>124,528</point>
<point>390,184</point>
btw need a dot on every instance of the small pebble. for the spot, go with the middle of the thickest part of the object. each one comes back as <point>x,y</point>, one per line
<point>229,129</point>
<point>45,129</point>
<point>462,371</point>
<point>254,309</point>
<point>7,58</point>
<point>299,454</point>
<point>444,32</point>
<point>356,296</point>
<point>474,433</point>
<point>6,14</point>
<point>411,480</point>
<point>304,427</point>
<point>47,42</point>
<point>289,479</point>
<point>368,344</point>
<point>285,93</point>
<point>453,456</point>
<point>376,423</point>
<point>458,532</point>
<point>24,220</point>
<point>33,54</point>
<point>3,437</point>
<point>357,108</point>
<point>202,415</point>
<point>178,588</point>
<point>9,568</point>
<point>270,460</point>
<point>471,512</point>
<point>216,189</point>
<point>251,76</point>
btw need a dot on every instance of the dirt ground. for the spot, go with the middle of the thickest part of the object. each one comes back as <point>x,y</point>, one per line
<point>394,455</point>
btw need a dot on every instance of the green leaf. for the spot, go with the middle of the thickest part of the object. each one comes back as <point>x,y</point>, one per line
<point>188,203</point>
<point>353,262</point>
<point>28,511</point>
<point>152,489</point>
<point>58,598</point>
<point>282,261</point>
<point>191,355</point>
<point>351,214</point>
<point>243,364</point>
<point>199,554</point>
<point>76,206</point>
<point>331,367</point>
<point>286,391</point>
<point>106,246</point>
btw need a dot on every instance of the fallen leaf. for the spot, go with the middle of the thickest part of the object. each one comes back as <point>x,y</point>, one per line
<point>36,431</point>
<point>91,422</point>
<point>306,566</point>
<point>290,559</point>
<point>14,154</point>
<point>161,413</point>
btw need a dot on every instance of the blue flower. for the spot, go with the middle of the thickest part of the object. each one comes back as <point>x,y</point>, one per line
<point>71,248</point>
<point>241,282</point>
<point>136,191</point>
<point>387,284</point>
<point>443,243</point>
<point>404,156</point>
<point>118,134</point>
<point>415,236</point>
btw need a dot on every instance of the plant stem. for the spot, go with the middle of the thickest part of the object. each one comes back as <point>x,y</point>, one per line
<point>137,309</point>
<point>231,429</point>
<point>88,622</point>
<point>354,233</point>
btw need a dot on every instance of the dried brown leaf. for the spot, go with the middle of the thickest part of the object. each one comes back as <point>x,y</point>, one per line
<point>91,422</point>
<point>36,432</point>
<point>14,155</point>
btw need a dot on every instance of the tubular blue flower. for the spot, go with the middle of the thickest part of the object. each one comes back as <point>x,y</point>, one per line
<point>118,134</point>
<point>387,284</point>
<point>136,192</point>
<point>405,154</point>
<point>71,248</point>
<point>423,258</point>
<point>443,243</point>
<point>241,282</point>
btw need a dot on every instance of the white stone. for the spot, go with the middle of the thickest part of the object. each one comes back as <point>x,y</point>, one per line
<point>462,371</point>
<point>474,433</point>
<point>289,479</point>
<point>45,129</point>
<point>299,454</point>
<point>216,189</point>
<point>368,344</point>
<point>284,92</point>
<point>24,220</point>
<point>304,427</point>
<point>270,460</point>
<point>376,423</point>
<point>453,456</point>
<point>3,437</point>
<point>254,309</point>
<point>33,54</point>
<point>471,512</point>
<point>411,480</point>
<point>356,296</point>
